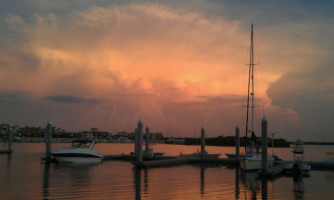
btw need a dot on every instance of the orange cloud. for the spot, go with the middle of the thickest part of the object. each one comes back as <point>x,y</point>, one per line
<point>171,67</point>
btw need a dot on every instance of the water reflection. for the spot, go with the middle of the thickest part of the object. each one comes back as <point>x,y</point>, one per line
<point>237,177</point>
<point>298,187</point>
<point>137,182</point>
<point>141,177</point>
<point>9,160</point>
<point>79,174</point>
<point>251,183</point>
<point>46,176</point>
<point>264,188</point>
<point>203,179</point>
<point>146,180</point>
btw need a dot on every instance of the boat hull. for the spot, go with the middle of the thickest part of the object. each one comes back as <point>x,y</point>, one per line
<point>298,168</point>
<point>77,155</point>
<point>233,156</point>
<point>254,163</point>
<point>78,159</point>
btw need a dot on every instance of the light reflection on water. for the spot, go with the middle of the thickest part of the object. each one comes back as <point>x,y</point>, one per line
<point>23,176</point>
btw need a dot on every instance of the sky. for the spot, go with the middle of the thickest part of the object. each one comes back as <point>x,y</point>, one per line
<point>177,65</point>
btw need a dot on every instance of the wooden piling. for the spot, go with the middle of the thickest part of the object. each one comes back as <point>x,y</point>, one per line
<point>264,131</point>
<point>202,142</point>
<point>139,138</point>
<point>10,140</point>
<point>237,143</point>
<point>135,142</point>
<point>147,136</point>
<point>47,140</point>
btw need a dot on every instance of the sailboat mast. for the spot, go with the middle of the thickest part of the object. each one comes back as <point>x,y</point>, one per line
<point>252,79</point>
<point>250,87</point>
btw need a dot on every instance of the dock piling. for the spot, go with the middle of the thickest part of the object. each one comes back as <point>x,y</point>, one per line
<point>47,140</point>
<point>139,138</point>
<point>10,140</point>
<point>202,142</point>
<point>237,143</point>
<point>135,142</point>
<point>147,136</point>
<point>264,131</point>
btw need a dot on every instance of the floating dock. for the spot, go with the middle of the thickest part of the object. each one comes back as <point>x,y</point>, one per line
<point>274,171</point>
<point>6,151</point>
<point>321,165</point>
<point>145,158</point>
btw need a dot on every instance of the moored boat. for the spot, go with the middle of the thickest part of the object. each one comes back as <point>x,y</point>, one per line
<point>81,151</point>
<point>252,161</point>
<point>298,166</point>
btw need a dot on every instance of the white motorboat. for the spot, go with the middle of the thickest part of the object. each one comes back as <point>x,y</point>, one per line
<point>81,151</point>
<point>252,160</point>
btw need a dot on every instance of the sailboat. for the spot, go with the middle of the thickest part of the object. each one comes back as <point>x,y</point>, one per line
<point>253,159</point>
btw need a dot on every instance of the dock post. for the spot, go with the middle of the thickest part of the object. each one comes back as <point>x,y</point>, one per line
<point>139,150</point>
<point>202,142</point>
<point>264,131</point>
<point>147,137</point>
<point>135,142</point>
<point>10,140</point>
<point>237,143</point>
<point>47,140</point>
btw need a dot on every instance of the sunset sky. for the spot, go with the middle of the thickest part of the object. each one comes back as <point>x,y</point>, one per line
<point>177,65</point>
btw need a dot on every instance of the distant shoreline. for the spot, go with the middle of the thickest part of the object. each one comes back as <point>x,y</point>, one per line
<point>188,141</point>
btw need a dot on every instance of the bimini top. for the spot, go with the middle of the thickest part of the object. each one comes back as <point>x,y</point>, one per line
<point>299,142</point>
<point>298,147</point>
<point>82,143</point>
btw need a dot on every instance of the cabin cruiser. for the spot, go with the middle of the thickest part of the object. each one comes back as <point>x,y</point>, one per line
<point>81,151</point>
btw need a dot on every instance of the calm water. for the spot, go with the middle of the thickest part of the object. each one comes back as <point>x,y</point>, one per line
<point>23,176</point>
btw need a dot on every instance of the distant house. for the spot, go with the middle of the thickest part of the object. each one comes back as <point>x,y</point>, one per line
<point>32,131</point>
<point>85,134</point>
<point>4,129</point>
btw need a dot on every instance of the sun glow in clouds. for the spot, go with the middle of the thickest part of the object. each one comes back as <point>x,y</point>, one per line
<point>173,67</point>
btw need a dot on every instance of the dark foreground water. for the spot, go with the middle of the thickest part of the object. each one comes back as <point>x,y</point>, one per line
<point>23,176</point>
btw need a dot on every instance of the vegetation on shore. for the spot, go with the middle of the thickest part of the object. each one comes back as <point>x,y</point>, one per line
<point>230,141</point>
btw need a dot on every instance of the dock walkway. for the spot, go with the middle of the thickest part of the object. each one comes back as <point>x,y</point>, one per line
<point>275,170</point>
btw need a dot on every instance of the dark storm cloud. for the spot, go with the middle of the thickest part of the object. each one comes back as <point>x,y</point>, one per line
<point>224,99</point>
<point>310,95</point>
<point>72,99</point>
<point>14,98</point>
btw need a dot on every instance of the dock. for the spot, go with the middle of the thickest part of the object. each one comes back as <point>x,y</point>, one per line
<point>143,158</point>
<point>6,151</point>
<point>159,163</point>
<point>274,171</point>
<point>321,165</point>
<point>129,157</point>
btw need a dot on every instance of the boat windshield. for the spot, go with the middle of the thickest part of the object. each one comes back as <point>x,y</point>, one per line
<point>81,144</point>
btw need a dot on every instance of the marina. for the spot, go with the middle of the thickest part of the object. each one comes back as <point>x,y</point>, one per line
<point>119,179</point>
<point>156,100</point>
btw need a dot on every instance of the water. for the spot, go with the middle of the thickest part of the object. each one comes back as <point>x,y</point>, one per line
<point>23,176</point>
